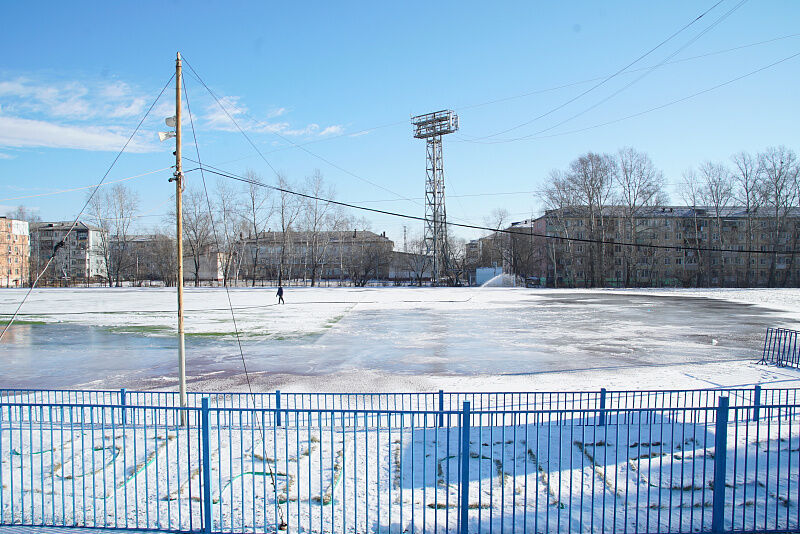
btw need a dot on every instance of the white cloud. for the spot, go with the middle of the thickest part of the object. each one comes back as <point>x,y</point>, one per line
<point>336,129</point>
<point>223,119</point>
<point>217,118</point>
<point>311,129</point>
<point>133,109</point>
<point>18,132</point>
<point>277,113</point>
<point>6,156</point>
<point>77,101</point>
<point>89,115</point>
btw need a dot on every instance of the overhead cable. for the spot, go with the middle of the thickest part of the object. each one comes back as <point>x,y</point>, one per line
<point>63,240</point>
<point>530,233</point>
<point>646,72</point>
<point>536,135</point>
<point>607,78</point>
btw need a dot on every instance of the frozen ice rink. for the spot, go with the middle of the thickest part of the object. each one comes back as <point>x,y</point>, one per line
<point>396,338</point>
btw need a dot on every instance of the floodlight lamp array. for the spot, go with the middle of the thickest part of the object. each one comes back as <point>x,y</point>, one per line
<point>435,124</point>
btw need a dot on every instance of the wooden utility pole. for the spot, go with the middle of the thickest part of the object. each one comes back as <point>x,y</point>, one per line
<point>178,177</point>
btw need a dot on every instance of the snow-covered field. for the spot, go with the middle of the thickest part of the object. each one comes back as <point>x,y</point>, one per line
<point>564,475</point>
<point>401,339</point>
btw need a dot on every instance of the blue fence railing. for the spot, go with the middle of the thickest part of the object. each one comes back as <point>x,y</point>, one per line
<point>423,401</point>
<point>781,348</point>
<point>729,466</point>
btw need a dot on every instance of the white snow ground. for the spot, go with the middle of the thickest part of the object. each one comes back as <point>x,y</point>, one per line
<point>401,339</point>
<point>397,339</point>
<point>538,473</point>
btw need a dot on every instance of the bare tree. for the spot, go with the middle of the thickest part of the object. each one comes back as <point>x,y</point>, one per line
<point>779,190</point>
<point>21,213</point>
<point>559,198</point>
<point>367,259</point>
<point>258,211</point>
<point>160,256</point>
<point>691,192</point>
<point>417,261</point>
<point>592,178</point>
<point>318,221</point>
<point>197,229</point>
<point>230,228</point>
<point>640,187</point>
<point>747,187</point>
<point>288,210</point>
<point>114,211</point>
<point>716,192</point>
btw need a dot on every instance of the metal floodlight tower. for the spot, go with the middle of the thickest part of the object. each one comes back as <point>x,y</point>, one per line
<point>431,127</point>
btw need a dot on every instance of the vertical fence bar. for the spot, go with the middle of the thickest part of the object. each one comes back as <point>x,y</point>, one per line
<point>441,408</point>
<point>277,407</point>
<point>756,402</point>
<point>206,477</point>
<point>720,459</point>
<point>767,340</point>
<point>602,415</point>
<point>122,402</point>
<point>463,527</point>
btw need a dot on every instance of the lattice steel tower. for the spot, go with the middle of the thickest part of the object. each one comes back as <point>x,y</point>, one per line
<point>432,127</point>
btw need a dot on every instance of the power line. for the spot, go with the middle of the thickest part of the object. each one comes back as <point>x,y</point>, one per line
<point>88,200</point>
<point>227,291</point>
<point>366,130</point>
<point>607,78</point>
<point>536,135</point>
<point>630,71</point>
<point>86,186</point>
<point>489,229</point>
<point>219,102</point>
<point>647,71</point>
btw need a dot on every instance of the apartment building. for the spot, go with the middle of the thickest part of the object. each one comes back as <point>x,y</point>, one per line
<point>80,260</point>
<point>329,255</point>
<point>683,246</point>
<point>14,252</point>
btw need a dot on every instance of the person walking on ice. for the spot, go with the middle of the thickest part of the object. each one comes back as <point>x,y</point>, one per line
<point>280,295</point>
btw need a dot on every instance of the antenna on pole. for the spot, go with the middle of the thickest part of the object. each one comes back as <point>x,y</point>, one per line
<point>431,127</point>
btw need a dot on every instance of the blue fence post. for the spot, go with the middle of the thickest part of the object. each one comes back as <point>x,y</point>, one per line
<point>756,402</point>
<point>720,459</point>
<point>767,340</point>
<point>441,407</point>
<point>464,482</point>
<point>206,474</point>
<point>277,407</point>
<point>123,402</point>
<point>602,407</point>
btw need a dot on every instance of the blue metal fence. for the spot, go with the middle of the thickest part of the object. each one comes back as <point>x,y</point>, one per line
<point>425,401</point>
<point>722,465</point>
<point>781,348</point>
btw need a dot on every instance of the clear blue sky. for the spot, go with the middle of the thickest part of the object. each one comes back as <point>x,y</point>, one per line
<point>75,78</point>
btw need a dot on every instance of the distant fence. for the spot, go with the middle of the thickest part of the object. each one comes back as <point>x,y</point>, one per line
<point>781,348</point>
<point>704,460</point>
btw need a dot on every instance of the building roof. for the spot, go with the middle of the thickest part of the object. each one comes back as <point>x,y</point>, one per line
<point>344,235</point>
<point>63,225</point>
<point>729,212</point>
